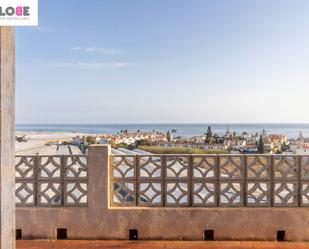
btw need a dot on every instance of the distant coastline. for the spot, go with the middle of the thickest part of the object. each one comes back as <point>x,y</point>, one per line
<point>183,130</point>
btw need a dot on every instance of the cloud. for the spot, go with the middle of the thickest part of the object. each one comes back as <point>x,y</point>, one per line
<point>93,65</point>
<point>76,48</point>
<point>101,65</point>
<point>97,50</point>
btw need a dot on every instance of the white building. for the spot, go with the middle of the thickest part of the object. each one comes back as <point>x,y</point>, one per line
<point>192,146</point>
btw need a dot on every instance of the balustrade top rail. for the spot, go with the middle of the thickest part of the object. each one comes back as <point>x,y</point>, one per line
<point>210,180</point>
<point>51,181</point>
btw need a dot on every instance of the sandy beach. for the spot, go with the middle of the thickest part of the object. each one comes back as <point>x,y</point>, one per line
<point>36,143</point>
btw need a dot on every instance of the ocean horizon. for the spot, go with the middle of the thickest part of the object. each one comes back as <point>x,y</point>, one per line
<point>182,129</point>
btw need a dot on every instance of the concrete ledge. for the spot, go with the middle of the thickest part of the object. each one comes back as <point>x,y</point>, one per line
<point>172,224</point>
<point>156,245</point>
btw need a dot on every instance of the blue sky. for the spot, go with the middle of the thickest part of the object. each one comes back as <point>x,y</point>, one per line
<point>164,61</point>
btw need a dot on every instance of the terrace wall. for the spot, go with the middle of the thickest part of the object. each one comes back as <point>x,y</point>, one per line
<point>104,209</point>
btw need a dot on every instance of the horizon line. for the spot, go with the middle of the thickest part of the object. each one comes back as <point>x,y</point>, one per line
<point>169,123</point>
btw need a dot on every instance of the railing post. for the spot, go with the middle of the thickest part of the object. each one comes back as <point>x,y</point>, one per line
<point>190,175</point>
<point>63,163</point>
<point>36,173</point>
<point>163,173</point>
<point>217,189</point>
<point>299,180</point>
<point>245,164</point>
<point>272,180</point>
<point>137,178</point>
<point>98,176</point>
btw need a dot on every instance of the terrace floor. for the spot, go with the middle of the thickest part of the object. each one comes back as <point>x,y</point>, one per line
<point>80,244</point>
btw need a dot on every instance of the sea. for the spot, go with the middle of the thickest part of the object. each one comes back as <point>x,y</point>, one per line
<point>182,130</point>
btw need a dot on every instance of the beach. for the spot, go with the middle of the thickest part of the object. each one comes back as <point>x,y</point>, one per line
<point>36,143</point>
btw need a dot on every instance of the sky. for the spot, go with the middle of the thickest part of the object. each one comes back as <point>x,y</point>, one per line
<point>164,61</point>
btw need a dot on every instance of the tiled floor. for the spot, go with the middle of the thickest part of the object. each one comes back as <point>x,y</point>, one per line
<point>69,244</point>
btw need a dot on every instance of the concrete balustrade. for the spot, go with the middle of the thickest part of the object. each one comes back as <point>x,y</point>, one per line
<point>103,218</point>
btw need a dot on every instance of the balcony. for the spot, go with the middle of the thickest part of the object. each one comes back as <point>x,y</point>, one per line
<point>162,197</point>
